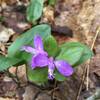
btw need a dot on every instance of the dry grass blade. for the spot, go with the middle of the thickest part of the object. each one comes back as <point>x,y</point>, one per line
<point>88,62</point>
<point>87,67</point>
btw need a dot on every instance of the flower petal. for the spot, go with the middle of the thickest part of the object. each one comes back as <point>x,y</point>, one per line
<point>51,69</point>
<point>33,63</point>
<point>38,43</point>
<point>64,68</point>
<point>28,49</point>
<point>41,60</point>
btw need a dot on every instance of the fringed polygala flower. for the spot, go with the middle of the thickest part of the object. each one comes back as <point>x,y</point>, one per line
<point>62,66</point>
<point>40,59</point>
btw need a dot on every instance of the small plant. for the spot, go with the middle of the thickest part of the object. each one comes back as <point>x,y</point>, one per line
<point>46,59</point>
<point>40,59</point>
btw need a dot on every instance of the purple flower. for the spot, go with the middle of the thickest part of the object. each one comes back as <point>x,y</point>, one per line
<point>62,66</point>
<point>40,59</point>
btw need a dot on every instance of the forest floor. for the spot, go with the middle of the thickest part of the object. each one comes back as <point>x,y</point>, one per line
<point>71,20</point>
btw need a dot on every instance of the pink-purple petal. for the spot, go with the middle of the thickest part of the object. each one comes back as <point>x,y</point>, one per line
<point>38,43</point>
<point>33,65</point>
<point>28,49</point>
<point>51,68</point>
<point>41,60</point>
<point>64,68</point>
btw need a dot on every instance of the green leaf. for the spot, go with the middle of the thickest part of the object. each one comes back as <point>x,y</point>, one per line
<point>51,46</point>
<point>6,62</point>
<point>87,53</point>
<point>52,2</point>
<point>38,75</point>
<point>74,53</point>
<point>34,10</point>
<point>27,38</point>
<point>70,54</point>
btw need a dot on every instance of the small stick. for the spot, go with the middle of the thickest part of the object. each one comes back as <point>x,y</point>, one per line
<point>86,68</point>
<point>88,62</point>
<point>81,84</point>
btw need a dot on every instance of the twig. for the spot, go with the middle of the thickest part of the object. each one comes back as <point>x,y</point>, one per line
<point>88,62</point>
<point>86,67</point>
<point>81,84</point>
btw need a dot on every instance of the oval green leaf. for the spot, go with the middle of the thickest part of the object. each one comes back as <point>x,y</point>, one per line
<point>34,10</point>
<point>87,53</point>
<point>38,75</point>
<point>51,46</point>
<point>6,62</point>
<point>71,55</point>
<point>27,38</point>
